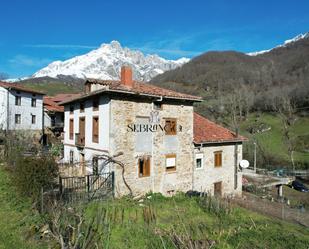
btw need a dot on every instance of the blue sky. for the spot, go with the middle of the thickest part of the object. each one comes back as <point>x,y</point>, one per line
<point>34,33</point>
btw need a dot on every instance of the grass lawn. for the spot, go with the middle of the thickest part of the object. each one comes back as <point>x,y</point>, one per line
<point>272,141</point>
<point>165,222</point>
<point>16,218</point>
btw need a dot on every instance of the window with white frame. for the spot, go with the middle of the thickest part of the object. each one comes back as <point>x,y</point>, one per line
<point>199,158</point>
<point>170,162</point>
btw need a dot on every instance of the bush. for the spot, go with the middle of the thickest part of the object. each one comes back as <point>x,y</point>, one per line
<point>31,174</point>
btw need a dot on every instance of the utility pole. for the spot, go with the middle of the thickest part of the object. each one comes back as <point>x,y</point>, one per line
<point>254,162</point>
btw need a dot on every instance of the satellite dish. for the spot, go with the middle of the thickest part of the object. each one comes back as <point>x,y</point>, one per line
<point>244,164</point>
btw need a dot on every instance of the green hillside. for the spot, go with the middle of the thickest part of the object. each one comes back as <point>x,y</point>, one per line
<point>272,142</point>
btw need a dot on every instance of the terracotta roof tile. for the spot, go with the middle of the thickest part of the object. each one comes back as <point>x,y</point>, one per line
<point>50,105</point>
<point>64,97</point>
<point>18,87</point>
<point>138,88</point>
<point>206,131</point>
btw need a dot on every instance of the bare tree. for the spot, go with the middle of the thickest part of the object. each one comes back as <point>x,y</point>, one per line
<point>286,110</point>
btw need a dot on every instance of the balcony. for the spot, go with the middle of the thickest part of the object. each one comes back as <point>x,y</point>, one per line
<point>79,140</point>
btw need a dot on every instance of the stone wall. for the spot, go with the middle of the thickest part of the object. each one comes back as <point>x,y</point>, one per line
<point>205,177</point>
<point>125,112</point>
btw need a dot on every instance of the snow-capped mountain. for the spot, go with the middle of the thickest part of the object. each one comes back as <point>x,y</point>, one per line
<point>106,61</point>
<point>286,43</point>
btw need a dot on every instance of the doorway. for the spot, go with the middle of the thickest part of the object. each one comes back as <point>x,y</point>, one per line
<point>218,189</point>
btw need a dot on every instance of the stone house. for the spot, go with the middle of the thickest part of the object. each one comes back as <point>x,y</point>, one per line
<point>153,131</point>
<point>20,108</point>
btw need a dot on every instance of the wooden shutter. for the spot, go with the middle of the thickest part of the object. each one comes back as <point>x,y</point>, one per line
<point>71,128</point>
<point>218,158</point>
<point>144,166</point>
<point>170,126</point>
<point>95,129</point>
<point>147,166</point>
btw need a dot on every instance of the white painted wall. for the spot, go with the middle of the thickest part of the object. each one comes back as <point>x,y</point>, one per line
<point>90,148</point>
<point>3,109</point>
<point>25,110</point>
<point>205,177</point>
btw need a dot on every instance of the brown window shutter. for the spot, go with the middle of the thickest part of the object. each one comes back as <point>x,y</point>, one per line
<point>170,126</point>
<point>218,158</point>
<point>95,129</point>
<point>147,167</point>
<point>71,128</point>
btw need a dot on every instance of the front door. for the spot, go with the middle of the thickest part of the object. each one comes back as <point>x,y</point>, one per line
<point>218,189</point>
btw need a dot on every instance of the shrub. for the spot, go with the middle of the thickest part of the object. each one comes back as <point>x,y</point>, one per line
<point>31,174</point>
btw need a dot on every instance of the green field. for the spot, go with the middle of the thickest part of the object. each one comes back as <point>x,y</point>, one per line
<point>17,221</point>
<point>273,141</point>
<point>159,222</point>
<point>156,222</point>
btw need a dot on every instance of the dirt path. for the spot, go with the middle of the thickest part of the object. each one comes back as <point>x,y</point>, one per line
<point>273,209</point>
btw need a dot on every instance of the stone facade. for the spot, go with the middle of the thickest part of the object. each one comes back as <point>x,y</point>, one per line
<point>206,176</point>
<point>125,112</point>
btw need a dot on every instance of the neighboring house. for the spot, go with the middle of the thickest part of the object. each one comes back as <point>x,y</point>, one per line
<point>54,113</point>
<point>20,108</point>
<point>156,135</point>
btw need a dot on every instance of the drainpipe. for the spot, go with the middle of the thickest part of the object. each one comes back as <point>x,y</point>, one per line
<point>152,148</point>
<point>43,131</point>
<point>8,111</point>
<point>236,163</point>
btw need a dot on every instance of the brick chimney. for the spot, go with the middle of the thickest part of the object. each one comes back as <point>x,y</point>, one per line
<point>126,76</point>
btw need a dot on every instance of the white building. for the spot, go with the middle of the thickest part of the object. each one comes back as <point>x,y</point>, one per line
<point>20,108</point>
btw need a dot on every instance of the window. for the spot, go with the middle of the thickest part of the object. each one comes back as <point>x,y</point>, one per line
<point>171,162</point>
<point>199,161</point>
<point>17,100</point>
<point>71,128</point>
<point>218,158</point>
<point>17,118</point>
<point>95,129</point>
<point>157,106</point>
<point>95,104</point>
<point>95,165</point>
<point>33,119</point>
<point>170,126</point>
<point>33,102</point>
<point>81,107</point>
<point>71,109</point>
<point>144,166</point>
<point>71,156</point>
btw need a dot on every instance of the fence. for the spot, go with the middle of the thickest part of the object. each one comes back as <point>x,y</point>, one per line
<point>86,188</point>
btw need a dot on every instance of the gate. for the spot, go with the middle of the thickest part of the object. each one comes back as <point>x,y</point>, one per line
<point>87,188</point>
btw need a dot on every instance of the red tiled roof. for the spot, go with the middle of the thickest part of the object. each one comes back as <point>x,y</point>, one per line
<point>64,97</point>
<point>50,105</point>
<point>206,131</point>
<point>138,88</point>
<point>18,87</point>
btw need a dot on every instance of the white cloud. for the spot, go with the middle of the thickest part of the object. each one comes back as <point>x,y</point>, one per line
<point>25,60</point>
<point>60,46</point>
